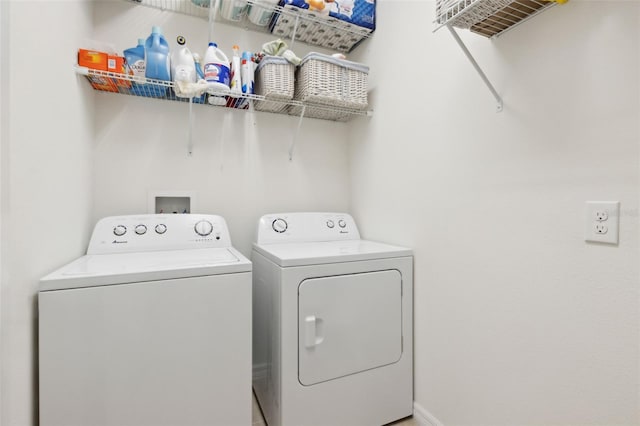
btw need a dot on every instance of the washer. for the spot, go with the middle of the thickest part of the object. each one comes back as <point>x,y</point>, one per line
<point>332,341</point>
<point>151,327</point>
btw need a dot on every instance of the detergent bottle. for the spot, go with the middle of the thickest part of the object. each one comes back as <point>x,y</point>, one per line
<point>247,72</point>
<point>134,57</point>
<point>157,56</point>
<point>216,70</point>
<point>183,67</point>
<point>198,63</point>
<point>236,85</point>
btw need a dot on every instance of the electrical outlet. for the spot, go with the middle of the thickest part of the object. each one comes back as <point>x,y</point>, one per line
<point>601,224</point>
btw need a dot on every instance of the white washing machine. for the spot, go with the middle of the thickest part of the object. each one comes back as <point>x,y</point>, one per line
<point>151,327</point>
<point>332,326</point>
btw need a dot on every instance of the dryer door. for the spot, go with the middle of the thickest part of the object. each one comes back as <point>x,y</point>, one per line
<point>348,324</point>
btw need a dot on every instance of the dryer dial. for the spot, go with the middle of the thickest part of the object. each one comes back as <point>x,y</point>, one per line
<point>161,228</point>
<point>141,229</point>
<point>203,228</point>
<point>279,225</point>
<point>342,223</point>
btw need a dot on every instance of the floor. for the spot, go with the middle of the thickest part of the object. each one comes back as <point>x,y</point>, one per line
<point>258,420</point>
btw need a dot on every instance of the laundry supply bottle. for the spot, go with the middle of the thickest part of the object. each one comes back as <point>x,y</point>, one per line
<point>247,72</point>
<point>236,85</point>
<point>134,57</point>
<point>157,56</point>
<point>183,66</point>
<point>216,70</point>
<point>198,64</point>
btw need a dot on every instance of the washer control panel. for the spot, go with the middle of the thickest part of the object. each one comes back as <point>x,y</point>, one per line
<point>151,232</point>
<point>306,227</point>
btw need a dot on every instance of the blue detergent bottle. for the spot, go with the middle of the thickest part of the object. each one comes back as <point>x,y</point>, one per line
<point>157,56</point>
<point>134,57</point>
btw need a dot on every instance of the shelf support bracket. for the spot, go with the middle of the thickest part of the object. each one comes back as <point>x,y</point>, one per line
<point>477,67</point>
<point>297,132</point>
<point>190,130</point>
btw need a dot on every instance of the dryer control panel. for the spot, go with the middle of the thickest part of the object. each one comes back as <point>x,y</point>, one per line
<point>152,232</point>
<point>306,227</point>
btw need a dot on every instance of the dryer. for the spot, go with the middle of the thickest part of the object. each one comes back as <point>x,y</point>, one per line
<point>332,325</point>
<point>151,327</point>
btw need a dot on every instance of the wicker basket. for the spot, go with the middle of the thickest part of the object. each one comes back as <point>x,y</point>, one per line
<point>325,80</point>
<point>274,79</point>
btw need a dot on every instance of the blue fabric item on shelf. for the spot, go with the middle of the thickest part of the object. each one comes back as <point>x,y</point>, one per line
<point>358,12</point>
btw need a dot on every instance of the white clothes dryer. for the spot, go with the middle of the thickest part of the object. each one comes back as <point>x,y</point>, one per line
<point>151,327</point>
<point>332,325</point>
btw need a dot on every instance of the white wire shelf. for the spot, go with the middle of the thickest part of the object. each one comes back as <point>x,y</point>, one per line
<point>124,84</point>
<point>288,22</point>
<point>489,18</point>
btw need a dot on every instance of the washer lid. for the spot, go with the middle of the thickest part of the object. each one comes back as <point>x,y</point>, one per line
<point>316,253</point>
<point>121,268</point>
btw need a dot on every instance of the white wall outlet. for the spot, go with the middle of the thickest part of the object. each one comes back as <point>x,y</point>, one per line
<point>601,224</point>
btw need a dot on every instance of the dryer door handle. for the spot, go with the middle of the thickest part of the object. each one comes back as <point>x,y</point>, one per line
<point>313,331</point>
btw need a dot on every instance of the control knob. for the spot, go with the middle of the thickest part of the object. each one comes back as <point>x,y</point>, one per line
<point>330,224</point>
<point>120,230</point>
<point>342,223</point>
<point>203,228</point>
<point>279,225</point>
<point>161,228</point>
<point>141,229</point>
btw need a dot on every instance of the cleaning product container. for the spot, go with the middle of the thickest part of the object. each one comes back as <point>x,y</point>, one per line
<point>134,57</point>
<point>216,70</point>
<point>236,84</point>
<point>183,66</point>
<point>261,15</point>
<point>247,71</point>
<point>157,56</point>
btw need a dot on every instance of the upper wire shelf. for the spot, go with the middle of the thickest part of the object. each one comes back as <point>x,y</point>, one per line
<point>286,21</point>
<point>489,18</point>
<point>124,84</point>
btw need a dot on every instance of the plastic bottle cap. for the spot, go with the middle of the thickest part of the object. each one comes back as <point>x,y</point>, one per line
<point>156,30</point>
<point>235,47</point>
<point>213,44</point>
<point>141,41</point>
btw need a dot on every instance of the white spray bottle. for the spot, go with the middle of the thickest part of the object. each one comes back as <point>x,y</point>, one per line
<point>236,85</point>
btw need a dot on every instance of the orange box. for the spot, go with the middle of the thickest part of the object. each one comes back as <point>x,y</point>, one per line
<point>115,64</point>
<point>104,84</point>
<point>93,59</point>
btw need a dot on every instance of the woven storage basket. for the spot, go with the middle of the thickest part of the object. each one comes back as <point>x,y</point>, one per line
<point>274,79</point>
<point>325,80</point>
<point>474,11</point>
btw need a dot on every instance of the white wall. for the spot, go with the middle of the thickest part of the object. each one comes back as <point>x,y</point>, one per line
<point>518,321</point>
<point>46,178</point>
<point>240,166</point>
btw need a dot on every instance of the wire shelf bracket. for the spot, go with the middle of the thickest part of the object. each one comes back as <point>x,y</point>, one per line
<point>484,77</point>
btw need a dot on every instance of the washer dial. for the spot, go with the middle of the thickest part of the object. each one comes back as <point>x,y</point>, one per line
<point>141,229</point>
<point>161,228</point>
<point>330,224</point>
<point>203,228</point>
<point>342,223</point>
<point>279,225</point>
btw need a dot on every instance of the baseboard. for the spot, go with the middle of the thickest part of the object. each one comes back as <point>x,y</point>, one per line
<point>423,417</point>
